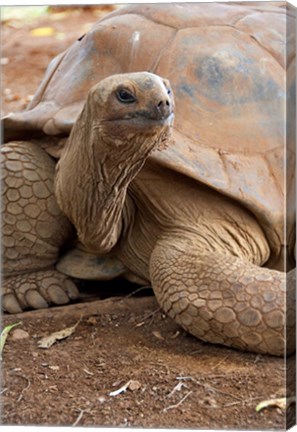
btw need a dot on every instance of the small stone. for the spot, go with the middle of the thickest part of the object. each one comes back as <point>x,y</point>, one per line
<point>55,368</point>
<point>134,385</point>
<point>101,399</point>
<point>19,334</point>
<point>91,321</point>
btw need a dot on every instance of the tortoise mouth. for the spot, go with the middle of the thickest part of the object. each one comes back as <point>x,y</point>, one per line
<point>144,119</point>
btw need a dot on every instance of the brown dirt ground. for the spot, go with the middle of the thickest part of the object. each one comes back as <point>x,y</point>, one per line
<point>177,381</point>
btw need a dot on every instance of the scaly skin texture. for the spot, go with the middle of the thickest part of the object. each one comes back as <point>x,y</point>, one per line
<point>33,228</point>
<point>223,299</point>
<point>204,263</point>
<point>202,252</point>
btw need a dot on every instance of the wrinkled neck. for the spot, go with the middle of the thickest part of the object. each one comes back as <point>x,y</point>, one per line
<point>94,172</point>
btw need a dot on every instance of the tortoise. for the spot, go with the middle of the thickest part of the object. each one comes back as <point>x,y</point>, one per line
<point>197,212</point>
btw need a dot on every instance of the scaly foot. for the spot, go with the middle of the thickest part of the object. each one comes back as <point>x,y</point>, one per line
<point>37,290</point>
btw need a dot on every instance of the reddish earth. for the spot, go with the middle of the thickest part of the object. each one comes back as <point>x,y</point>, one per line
<point>175,380</point>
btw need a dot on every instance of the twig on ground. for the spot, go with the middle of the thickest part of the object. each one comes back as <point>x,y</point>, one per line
<point>136,291</point>
<point>208,387</point>
<point>242,402</point>
<point>217,376</point>
<point>220,362</point>
<point>78,418</point>
<point>179,403</point>
<point>25,388</point>
<point>178,387</point>
<point>151,314</point>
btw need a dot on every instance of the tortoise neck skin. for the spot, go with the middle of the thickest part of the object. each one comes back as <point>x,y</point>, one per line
<point>108,146</point>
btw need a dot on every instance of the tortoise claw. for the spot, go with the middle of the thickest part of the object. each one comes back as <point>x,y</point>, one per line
<point>57,295</point>
<point>71,289</point>
<point>35,300</point>
<point>10,304</point>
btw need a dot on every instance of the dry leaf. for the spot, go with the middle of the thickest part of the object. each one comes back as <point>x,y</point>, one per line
<point>48,341</point>
<point>43,31</point>
<point>282,403</point>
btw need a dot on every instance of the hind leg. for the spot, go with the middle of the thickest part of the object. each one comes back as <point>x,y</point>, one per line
<point>33,231</point>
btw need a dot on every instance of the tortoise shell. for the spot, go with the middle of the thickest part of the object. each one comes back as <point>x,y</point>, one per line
<point>227,64</point>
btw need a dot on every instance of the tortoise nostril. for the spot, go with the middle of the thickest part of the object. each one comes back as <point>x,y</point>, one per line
<point>162,103</point>
<point>163,108</point>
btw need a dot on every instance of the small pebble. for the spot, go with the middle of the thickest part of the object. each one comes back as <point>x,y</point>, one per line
<point>134,385</point>
<point>101,399</point>
<point>18,334</point>
<point>54,368</point>
<point>91,320</point>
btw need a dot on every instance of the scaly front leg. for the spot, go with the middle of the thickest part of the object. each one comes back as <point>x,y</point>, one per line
<point>33,230</point>
<point>223,299</point>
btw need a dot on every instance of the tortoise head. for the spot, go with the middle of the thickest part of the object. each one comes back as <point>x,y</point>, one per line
<point>133,103</point>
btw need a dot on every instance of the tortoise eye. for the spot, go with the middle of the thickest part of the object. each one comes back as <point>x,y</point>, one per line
<point>125,96</point>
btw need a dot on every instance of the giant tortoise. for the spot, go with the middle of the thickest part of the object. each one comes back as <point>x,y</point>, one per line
<point>201,214</point>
